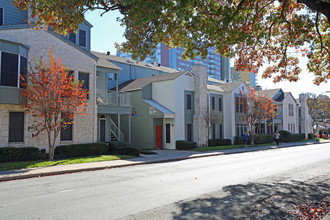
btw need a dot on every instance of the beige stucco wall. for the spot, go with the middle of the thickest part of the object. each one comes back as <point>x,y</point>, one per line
<point>40,43</point>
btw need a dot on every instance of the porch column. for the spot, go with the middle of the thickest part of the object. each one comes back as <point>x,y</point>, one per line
<point>266,128</point>
<point>273,124</point>
<point>164,133</point>
<point>129,128</point>
<point>118,118</point>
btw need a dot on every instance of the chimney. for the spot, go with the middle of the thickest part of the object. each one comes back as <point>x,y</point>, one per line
<point>108,53</point>
<point>200,133</point>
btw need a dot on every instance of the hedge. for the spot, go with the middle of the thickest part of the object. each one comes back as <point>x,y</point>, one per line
<point>264,139</point>
<point>219,142</point>
<point>121,148</point>
<point>238,140</point>
<point>286,136</point>
<point>8,154</point>
<point>81,150</point>
<point>185,145</point>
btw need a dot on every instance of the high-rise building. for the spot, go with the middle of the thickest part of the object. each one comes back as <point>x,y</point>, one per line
<point>247,77</point>
<point>218,67</point>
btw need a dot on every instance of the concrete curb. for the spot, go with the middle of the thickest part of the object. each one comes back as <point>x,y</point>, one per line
<point>9,177</point>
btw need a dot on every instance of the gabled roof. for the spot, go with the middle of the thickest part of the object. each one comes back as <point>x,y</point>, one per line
<point>140,83</point>
<point>103,62</point>
<point>270,93</point>
<point>140,64</point>
<point>290,94</point>
<point>215,81</point>
<point>225,88</point>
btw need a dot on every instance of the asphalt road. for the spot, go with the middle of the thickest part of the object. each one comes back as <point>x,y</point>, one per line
<point>163,191</point>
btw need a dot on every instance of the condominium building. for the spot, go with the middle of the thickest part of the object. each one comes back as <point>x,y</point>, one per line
<point>218,67</point>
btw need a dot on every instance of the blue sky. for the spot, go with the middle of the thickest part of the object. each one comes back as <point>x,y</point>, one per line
<point>107,31</point>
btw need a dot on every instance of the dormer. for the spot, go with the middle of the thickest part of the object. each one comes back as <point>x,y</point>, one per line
<point>82,37</point>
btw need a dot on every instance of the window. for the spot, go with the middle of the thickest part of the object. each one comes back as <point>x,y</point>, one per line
<point>168,133</point>
<point>220,104</point>
<point>290,109</point>
<point>16,126</point>
<point>213,132</point>
<point>66,132</point>
<point>240,103</point>
<point>9,69</point>
<point>71,73</point>
<point>84,79</point>
<point>189,132</point>
<point>240,128</point>
<point>188,102</point>
<point>220,131</point>
<point>82,38</point>
<point>23,71</point>
<point>1,16</point>
<point>112,76</point>
<point>299,112</point>
<point>213,103</point>
<point>72,37</point>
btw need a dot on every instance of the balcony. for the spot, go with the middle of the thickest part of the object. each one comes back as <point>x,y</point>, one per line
<point>10,95</point>
<point>104,97</point>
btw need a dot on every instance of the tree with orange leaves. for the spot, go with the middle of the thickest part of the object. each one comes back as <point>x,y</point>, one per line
<point>256,109</point>
<point>50,93</point>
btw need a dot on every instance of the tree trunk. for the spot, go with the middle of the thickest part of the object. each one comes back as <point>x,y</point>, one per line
<point>51,146</point>
<point>253,135</point>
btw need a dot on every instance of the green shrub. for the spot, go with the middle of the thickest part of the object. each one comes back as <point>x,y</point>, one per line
<point>8,154</point>
<point>259,139</point>
<point>121,148</point>
<point>219,142</point>
<point>81,150</point>
<point>285,136</point>
<point>185,145</point>
<point>311,136</point>
<point>238,140</point>
<point>297,137</point>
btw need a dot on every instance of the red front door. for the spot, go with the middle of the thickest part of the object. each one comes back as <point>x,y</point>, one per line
<point>159,136</point>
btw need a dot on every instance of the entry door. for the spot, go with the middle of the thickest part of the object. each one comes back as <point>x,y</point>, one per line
<point>159,136</point>
<point>102,130</point>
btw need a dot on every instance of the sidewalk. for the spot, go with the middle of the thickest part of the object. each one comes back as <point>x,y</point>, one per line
<point>160,157</point>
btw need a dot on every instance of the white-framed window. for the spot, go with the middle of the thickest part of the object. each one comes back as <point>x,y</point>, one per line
<point>82,38</point>
<point>12,66</point>
<point>290,109</point>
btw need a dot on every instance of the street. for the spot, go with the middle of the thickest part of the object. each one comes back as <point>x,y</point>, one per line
<point>218,187</point>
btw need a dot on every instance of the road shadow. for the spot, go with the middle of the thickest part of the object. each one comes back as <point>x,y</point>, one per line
<point>254,201</point>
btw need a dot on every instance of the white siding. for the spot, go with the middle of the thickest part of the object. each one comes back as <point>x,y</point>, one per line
<point>287,119</point>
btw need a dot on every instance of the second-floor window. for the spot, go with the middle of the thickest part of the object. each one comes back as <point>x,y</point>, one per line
<point>188,102</point>
<point>213,103</point>
<point>12,65</point>
<point>220,104</point>
<point>82,38</point>
<point>1,17</point>
<point>84,79</point>
<point>290,109</point>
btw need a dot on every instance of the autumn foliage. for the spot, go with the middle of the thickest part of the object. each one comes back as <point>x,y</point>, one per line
<point>50,93</point>
<point>256,108</point>
<point>257,33</point>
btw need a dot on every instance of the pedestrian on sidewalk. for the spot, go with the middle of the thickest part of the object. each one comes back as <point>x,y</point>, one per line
<point>277,137</point>
<point>245,139</point>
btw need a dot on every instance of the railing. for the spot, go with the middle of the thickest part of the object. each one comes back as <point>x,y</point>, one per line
<point>116,131</point>
<point>104,97</point>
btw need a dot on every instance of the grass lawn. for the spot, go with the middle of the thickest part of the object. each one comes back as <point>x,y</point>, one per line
<point>76,160</point>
